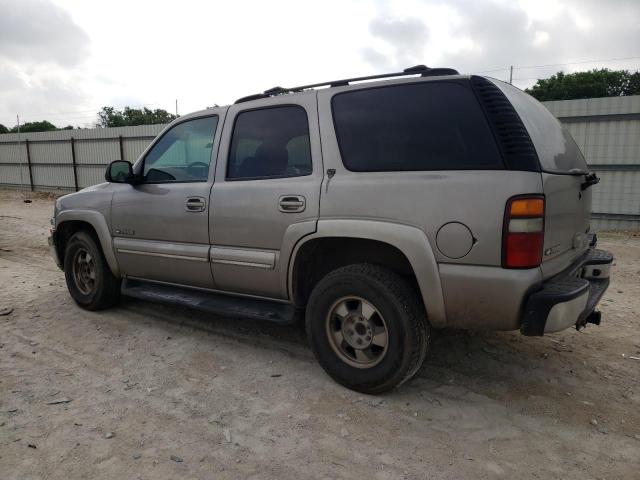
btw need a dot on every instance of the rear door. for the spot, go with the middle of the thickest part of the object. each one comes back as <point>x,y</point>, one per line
<point>266,194</point>
<point>567,205</point>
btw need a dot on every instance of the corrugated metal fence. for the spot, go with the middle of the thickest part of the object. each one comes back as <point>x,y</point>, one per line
<point>606,129</point>
<point>68,160</point>
<point>608,133</point>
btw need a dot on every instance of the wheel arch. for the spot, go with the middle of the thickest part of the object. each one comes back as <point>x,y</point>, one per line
<point>71,221</point>
<point>402,248</point>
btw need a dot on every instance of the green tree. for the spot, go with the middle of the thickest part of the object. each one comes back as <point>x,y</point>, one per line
<point>590,84</point>
<point>111,117</point>
<point>43,126</point>
<point>3,129</point>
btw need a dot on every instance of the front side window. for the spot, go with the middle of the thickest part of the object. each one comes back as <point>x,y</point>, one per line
<point>183,154</point>
<point>418,126</point>
<point>270,143</point>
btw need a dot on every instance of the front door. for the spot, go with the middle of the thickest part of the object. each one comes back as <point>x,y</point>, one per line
<point>161,226</point>
<point>266,194</point>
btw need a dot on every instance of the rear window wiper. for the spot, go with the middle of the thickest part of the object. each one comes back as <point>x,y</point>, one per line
<point>589,179</point>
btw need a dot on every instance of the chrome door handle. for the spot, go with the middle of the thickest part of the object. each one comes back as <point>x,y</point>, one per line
<point>292,203</point>
<point>195,204</point>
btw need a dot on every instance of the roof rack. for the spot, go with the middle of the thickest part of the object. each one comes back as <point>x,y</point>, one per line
<point>422,70</point>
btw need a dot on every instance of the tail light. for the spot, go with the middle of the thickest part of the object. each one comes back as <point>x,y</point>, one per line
<point>523,235</point>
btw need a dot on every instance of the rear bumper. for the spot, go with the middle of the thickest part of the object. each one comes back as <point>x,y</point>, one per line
<point>568,299</point>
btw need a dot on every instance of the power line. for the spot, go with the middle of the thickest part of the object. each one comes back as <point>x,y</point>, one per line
<point>32,116</point>
<point>58,113</point>
<point>491,71</point>
<point>578,63</point>
<point>73,116</point>
<point>520,67</point>
<point>536,77</point>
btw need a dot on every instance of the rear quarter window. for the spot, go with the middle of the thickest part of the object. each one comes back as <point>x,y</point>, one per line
<point>557,150</point>
<point>419,126</point>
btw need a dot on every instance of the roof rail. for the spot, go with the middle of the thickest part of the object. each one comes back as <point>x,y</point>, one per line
<point>421,70</point>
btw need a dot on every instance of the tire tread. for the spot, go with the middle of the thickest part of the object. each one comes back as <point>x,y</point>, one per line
<point>410,303</point>
<point>109,292</point>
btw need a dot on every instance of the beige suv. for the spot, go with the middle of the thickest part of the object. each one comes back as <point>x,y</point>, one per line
<point>380,207</point>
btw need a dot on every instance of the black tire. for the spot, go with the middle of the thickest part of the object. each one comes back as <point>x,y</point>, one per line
<point>104,289</point>
<point>395,300</point>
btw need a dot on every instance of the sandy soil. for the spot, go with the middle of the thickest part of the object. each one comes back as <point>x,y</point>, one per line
<point>149,391</point>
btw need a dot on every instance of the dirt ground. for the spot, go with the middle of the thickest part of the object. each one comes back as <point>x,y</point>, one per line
<point>150,391</point>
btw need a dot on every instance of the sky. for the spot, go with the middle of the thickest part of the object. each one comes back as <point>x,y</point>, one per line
<point>62,60</point>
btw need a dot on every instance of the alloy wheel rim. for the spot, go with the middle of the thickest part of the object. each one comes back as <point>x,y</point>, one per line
<point>84,271</point>
<point>357,332</point>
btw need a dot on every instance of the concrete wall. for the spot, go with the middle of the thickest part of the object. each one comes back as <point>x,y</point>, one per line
<point>606,129</point>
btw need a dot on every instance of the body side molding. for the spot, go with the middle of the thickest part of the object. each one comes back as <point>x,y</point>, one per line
<point>249,257</point>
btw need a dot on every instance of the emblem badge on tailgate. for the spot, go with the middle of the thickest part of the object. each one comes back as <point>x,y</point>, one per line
<point>551,250</point>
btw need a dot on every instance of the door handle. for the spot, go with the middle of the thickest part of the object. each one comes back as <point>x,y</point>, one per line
<point>195,204</point>
<point>292,203</point>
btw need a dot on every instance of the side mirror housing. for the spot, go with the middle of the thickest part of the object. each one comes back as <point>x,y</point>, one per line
<point>119,171</point>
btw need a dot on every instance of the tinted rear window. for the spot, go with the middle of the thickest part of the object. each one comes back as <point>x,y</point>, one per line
<point>270,143</point>
<point>419,126</point>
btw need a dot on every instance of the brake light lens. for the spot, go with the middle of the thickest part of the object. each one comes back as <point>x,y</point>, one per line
<point>523,235</point>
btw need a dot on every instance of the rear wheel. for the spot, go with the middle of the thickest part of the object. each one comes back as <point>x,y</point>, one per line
<point>367,327</point>
<point>89,278</point>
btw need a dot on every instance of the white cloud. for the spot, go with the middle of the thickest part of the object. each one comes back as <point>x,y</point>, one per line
<point>41,52</point>
<point>37,31</point>
<point>64,59</point>
<point>541,37</point>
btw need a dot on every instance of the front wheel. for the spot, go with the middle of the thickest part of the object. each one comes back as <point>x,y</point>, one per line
<point>367,327</point>
<point>89,278</point>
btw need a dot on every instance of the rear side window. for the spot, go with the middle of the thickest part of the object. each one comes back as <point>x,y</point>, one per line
<point>557,150</point>
<point>419,126</point>
<point>270,143</point>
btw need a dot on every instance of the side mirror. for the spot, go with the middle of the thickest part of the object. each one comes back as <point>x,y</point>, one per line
<point>119,171</point>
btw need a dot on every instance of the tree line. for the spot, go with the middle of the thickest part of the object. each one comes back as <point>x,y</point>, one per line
<point>561,86</point>
<point>590,84</point>
<point>107,117</point>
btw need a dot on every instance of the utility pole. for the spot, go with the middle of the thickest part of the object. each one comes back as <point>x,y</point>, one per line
<point>20,155</point>
<point>176,107</point>
<point>511,74</point>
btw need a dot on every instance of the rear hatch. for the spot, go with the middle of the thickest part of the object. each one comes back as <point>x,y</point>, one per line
<point>564,182</point>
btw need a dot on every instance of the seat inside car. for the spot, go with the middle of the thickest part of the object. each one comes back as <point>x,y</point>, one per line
<point>271,159</point>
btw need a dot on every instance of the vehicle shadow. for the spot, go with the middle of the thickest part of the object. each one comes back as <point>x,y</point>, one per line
<point>484,359</point>
<point>263,334</point>
<point>495,355</point>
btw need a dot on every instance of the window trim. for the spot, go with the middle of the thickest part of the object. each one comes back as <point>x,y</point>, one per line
<point>461,82</point>
<point>266,177</point>
<point>160,137</point>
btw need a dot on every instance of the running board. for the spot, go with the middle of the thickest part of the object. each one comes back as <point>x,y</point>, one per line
<point>216,303</point>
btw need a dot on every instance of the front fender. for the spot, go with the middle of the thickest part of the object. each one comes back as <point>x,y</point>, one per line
<point>99,224</point>
<point>411,241</point>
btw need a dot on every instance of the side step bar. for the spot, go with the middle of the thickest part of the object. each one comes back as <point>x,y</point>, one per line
<point>216,303</point>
